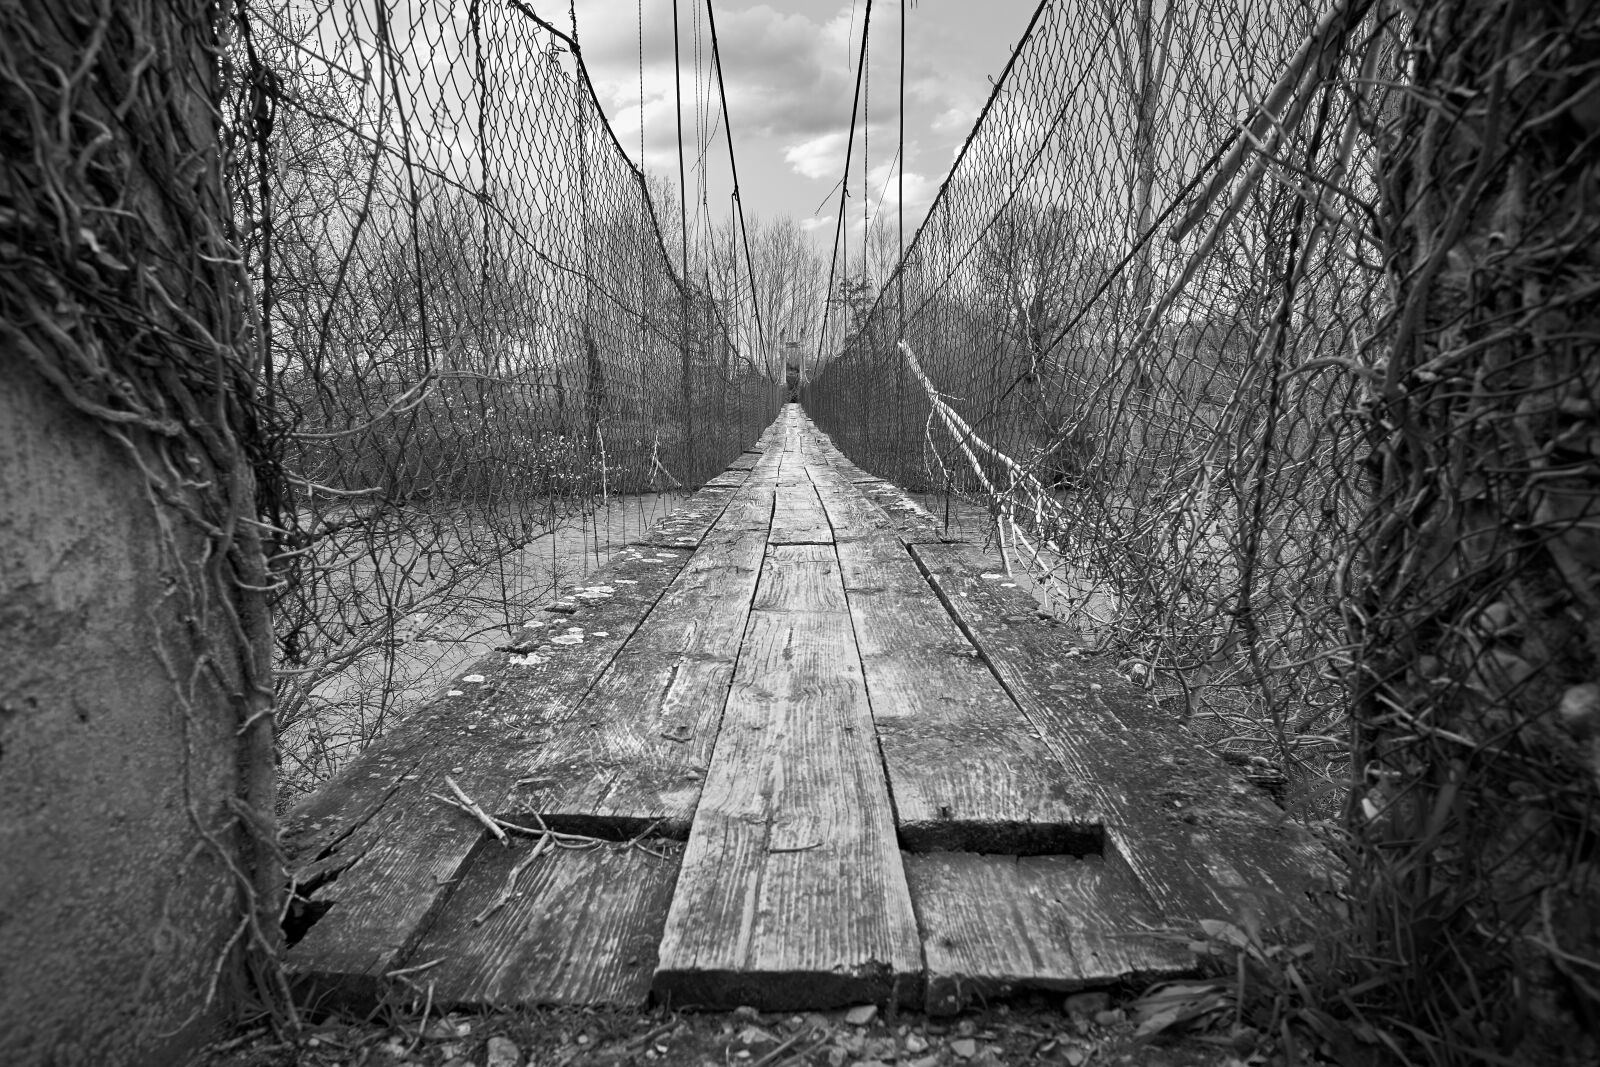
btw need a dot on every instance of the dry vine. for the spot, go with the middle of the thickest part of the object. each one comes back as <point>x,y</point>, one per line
<point>123,291</point>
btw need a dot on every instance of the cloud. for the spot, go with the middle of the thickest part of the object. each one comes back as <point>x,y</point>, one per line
<point>789,76</point>
<point>789,66</point>
<point>885,185</point>
<point>816,222</point>
<point>953,120</point>
<point>818,157</point>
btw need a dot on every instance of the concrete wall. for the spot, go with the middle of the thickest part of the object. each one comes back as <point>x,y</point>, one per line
<point>112,914</point>
<point>117,817</point>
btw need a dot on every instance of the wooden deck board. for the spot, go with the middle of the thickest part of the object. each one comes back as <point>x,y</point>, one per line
<point>629,758</point>
<point>1199,840</point>
<point>966,767</point>
<point>636,750</point>
<point>791,892</point>
<point>853,516</point>
<point>686,526</point>
<point>800,578</point>
<point>378,857</point>
<point>871,505</point>
<point>798,518</point>
<point>969,773</point>
<point>582,929</point>
<point>995,925</point>
<point>383,880</point>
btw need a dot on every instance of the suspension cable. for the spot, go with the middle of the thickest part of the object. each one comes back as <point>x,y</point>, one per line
<point>683,185</point>
<point>866,155</point>
<point>844,186</point>
<point>733,164</point>
<point>900,195</point>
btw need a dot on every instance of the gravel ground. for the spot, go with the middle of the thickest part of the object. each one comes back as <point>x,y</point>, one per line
<point>1079,1031</point>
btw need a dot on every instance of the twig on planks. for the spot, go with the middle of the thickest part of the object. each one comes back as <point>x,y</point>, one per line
<point>544,833</point>
<point>403,971</point>
<point>471,807</point>
<point>555,837</point>
<point>510,889</point>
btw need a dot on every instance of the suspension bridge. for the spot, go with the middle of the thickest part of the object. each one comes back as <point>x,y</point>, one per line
<point>1261,331</point>
<point>797,745</point>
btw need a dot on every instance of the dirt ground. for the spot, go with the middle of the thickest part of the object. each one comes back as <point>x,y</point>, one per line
<point>1086,1030</point>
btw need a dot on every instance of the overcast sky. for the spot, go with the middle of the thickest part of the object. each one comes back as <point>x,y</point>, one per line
<point>789,66</point>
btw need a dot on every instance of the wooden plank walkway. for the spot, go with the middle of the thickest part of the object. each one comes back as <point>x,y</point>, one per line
<point>834,760</point>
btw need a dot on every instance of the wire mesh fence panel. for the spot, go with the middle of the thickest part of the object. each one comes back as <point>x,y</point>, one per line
<point>1266,331</point>
<point>1134,332</point>
<point>473,336</point>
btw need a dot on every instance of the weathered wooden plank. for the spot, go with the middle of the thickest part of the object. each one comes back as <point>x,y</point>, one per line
<point>686,526</point>
<point>636,754</point>
<point>1201,842</point>
<point>798,518</point>
<point>635,580</point>
<point>839,463</point>
<point>968,771</point>
<point>800,578</point>
<point>995,925</point>
<point>374,855</point>
<point>855,516</point>
<point>851,516</point>
<point>749,512</point>
<point>380,882</point>
<point>773,432</point>
<point>582,928</point>
<point>636,750</point>
<point>792,892</point>
<point>873,508</point>
<point>516,691</point>
<point>966,768</point>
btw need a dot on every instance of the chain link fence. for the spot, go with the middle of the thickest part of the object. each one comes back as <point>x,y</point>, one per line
<point>1133,327</point>
<point>473,336</point>
<point>1265,332</point>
